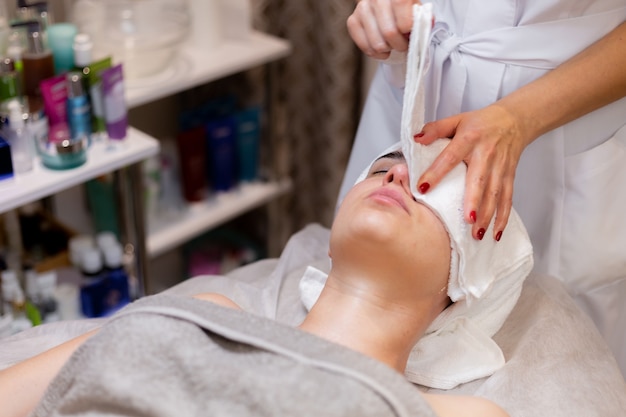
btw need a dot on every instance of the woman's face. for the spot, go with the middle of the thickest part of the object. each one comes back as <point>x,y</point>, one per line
<point>380,225</point>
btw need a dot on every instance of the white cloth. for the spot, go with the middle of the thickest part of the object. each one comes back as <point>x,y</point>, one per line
<point>486,277</point>
<point>569,182</point>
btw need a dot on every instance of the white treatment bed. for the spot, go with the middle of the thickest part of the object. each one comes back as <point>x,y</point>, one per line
<point>557,363</point>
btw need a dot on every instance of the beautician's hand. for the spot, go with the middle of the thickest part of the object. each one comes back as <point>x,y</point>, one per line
<point>490,141</point>
<point>379,26</point>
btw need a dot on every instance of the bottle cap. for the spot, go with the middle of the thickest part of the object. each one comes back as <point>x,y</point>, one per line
<point>91,261</point>
<point>7,65</point>
<point>106,239</point>
<point>9,282</point>
<point>113,255</point>
<point>16,115</point>
<point>83,50</point>
<point>74,83</point>
<point>77,245</point>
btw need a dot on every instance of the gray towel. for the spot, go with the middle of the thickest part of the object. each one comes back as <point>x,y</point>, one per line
<point>177,356</point>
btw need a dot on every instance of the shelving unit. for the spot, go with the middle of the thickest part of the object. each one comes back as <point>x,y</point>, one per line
<point>196,67</point>
<point>193,68</point>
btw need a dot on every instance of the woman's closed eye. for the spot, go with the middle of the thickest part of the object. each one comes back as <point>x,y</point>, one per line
<point>383,164</point>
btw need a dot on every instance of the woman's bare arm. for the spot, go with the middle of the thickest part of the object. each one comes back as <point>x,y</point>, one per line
<point>22,386</point>
<point>491,140</point>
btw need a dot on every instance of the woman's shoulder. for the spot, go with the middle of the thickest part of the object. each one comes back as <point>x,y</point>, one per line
<point>456,405</point>
<point>217,299</point>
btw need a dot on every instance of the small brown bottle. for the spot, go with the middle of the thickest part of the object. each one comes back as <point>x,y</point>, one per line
<point>38,64</point>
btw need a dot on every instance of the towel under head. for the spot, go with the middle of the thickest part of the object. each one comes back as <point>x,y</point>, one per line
<point>485,282</point>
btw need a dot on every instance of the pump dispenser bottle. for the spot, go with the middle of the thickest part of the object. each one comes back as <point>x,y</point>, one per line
<point>83,51</point>
<point>10,90</point>
<point>38,64</point>
<point>117,292</point>
<point>22,149</point>
<point>78,109</point>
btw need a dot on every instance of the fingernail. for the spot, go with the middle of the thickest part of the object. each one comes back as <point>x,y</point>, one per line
<point>498,236</point>
<point>473,216</point>
<point>424,187</point>
<point>419,135</point>
<point>480,233</point>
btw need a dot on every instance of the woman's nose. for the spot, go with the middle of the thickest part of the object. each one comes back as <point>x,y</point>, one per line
<point>399,174</point>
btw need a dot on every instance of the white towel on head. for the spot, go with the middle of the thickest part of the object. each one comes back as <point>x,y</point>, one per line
<point>486,276</point>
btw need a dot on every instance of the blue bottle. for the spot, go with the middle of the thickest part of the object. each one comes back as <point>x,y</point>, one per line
<point>78,108</point>
<point>117,293</point>
<point>92,288</point>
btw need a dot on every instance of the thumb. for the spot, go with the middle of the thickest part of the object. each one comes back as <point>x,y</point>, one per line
<point>444,128</point>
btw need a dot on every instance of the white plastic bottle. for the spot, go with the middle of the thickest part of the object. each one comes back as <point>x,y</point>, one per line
<point>20,140</point>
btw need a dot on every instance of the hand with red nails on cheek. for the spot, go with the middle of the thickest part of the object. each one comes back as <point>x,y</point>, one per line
<point>379,26</point>
<point>490,141</point>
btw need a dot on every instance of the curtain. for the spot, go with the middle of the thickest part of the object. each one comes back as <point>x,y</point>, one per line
<point>316,103</point>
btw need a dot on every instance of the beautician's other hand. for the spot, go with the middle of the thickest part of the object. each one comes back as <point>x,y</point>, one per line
<point>379,26</point>
<point>490,141</point>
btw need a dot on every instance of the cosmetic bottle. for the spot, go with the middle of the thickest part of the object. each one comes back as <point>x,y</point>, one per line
<point>221,136</point>
<point>10,287</point>
<point>54,96</point>
<point>35,10</point>
<point>9,84</point>
<point>20,139</point>
<point>20,320</point>
<point>38,64</point>
<point>61,41</point>
<point>6,163</point>
<point>91,288</point>
<point>92,74</point>
<point>83,51</point>
<point>192,152</point>
<point>117,293</point>
<point>78,109</point>
<point>48,304</point>
<point>15,49</point>
<point>115,110</point>
<point>248,138</point>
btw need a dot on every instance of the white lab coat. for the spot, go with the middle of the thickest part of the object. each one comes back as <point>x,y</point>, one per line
<point>570,186</point>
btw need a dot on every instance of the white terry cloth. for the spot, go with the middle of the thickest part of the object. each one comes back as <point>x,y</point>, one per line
<point>486,276</point>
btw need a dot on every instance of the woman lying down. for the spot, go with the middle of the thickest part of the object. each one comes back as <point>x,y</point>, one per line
<point>396,271</point>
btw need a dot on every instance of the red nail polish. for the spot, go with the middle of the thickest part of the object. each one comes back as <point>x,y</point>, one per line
<point>424,187</point>
<point>473,216</point>
<point>419,135</point>
<point>498,236</point>
<point>480,233</point>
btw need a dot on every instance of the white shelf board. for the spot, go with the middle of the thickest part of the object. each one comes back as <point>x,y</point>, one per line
<point>199,217</point>
<point>195,66</point>
<point>42,182</point>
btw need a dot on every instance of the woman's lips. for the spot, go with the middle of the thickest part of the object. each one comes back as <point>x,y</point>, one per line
<point>389,195</point>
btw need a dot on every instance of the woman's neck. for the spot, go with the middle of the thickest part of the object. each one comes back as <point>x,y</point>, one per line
<point>368,321</point>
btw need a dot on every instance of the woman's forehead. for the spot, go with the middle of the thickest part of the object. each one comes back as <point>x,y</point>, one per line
<point>391,158</point>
